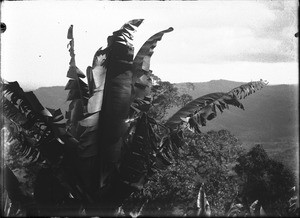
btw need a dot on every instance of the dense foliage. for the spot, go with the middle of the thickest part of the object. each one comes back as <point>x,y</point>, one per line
<point>247,183</point>
<point>207,158</point>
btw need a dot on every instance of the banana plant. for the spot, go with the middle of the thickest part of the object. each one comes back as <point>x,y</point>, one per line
<point>109,147</point>
<point>118,82</point>
<point>41,134</point>
<point>132,145</point>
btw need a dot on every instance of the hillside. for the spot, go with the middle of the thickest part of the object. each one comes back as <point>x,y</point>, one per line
<point>53,97</point>
<point>270,117</point>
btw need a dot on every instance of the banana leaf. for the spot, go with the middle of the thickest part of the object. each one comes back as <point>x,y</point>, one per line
<point>141,61</point>
<point>36,129</point>
<point>116,96</point>
<point>141,64</point>
<point>197,112</point>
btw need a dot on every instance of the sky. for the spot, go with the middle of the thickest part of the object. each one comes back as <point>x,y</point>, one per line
<point>234,40</point>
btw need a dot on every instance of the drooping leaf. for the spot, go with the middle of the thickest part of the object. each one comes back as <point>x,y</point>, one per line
<point>18,101</point>
<point>36,125</point>
<point>12,113</point>
<point>198,111</point>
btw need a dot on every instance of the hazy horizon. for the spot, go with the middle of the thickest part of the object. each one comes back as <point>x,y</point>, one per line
<point>28,88</point>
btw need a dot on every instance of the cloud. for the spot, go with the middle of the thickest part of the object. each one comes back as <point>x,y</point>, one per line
<point>222,45</point>
<point>233,32</point>
<point>282,28</point>
<point>207,32</point>
<point>262,57</point>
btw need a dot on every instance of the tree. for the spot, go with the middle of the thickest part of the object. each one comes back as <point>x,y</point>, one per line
<point>265,180</point>
<point>110,146</point>
<point>165,96</point>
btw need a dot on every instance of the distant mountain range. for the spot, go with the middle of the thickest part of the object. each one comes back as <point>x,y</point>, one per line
<point>270,117</point>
